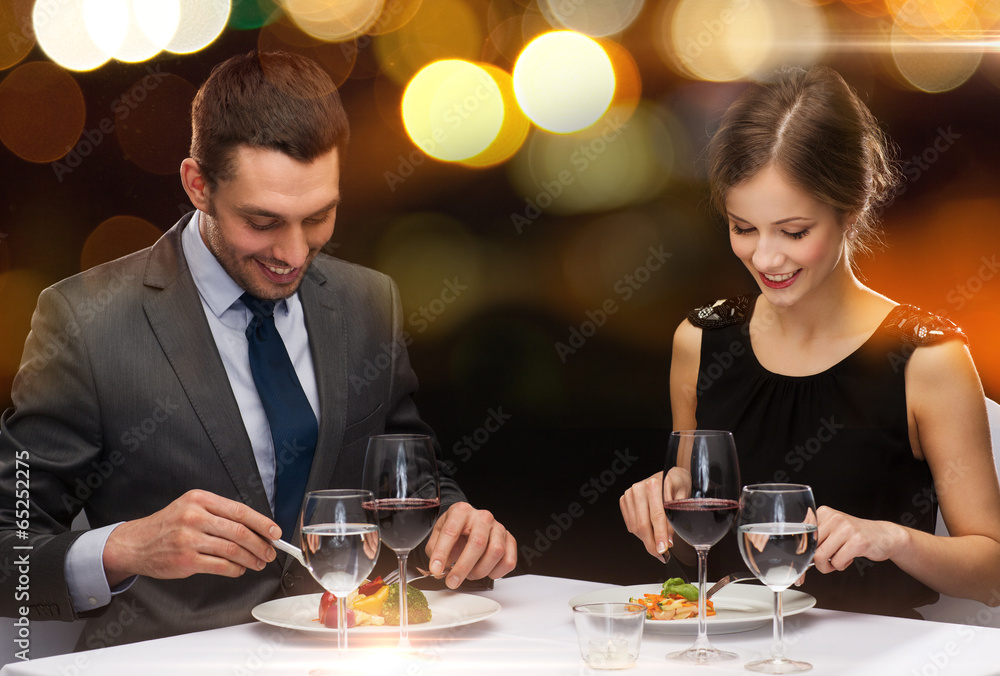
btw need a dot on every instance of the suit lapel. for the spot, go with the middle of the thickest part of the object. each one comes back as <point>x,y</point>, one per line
<point>175,314</point>
<point>325,324</point>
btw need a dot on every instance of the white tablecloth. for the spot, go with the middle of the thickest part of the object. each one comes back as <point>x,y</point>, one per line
<point>534,634</point>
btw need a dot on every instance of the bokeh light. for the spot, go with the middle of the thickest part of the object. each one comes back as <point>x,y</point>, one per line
<point>156,132</point>
<point>442,29</point>
<point>596,18</point>
<point>628,82</point>
<point>564,81</point>
<point>940,63</point>
<point>20,292</point>
<point>42,111</point>
<point>453,110</point>
<point>514,128</point>
<point>716,40</point>
<point>336,58</point>
<point>608,166</point>
<point>200,22</point>
<point>395,14</point>
<point>58,29</point>
<point>116,237</point>
<point>132,30</point>
<point>15,24</point>
<point>249,14</point>
<point>334,21</point>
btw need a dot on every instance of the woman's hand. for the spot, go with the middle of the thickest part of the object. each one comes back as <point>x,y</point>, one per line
<point>642,509</point>
<point>842,538</point>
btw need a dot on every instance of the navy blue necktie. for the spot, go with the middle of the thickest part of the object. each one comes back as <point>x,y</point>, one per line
<point>293,424</point>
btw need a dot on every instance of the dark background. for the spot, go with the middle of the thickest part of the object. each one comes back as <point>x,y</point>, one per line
<point>578,431</point>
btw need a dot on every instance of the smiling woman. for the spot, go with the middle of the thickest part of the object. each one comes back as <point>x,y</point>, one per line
<point>822,380</point>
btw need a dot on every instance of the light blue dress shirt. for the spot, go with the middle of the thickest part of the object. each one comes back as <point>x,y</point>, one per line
<point>228,319</point>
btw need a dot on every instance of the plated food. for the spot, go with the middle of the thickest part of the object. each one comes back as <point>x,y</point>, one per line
<point>375,604</point>
<point>677,600</point>
<point>738,607</point>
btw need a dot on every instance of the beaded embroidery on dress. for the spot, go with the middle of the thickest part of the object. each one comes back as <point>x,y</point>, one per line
<point>918,327</point>
<point>908,323</point>
<point>722,313</point>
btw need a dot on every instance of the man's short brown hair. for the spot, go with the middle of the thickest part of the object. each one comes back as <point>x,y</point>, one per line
<point>273,100</point>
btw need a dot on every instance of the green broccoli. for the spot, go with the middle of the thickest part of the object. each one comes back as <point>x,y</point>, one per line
<point>416,606</point>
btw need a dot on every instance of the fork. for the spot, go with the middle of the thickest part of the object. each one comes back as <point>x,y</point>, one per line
<point>393,577</point>
<point>741,576</point>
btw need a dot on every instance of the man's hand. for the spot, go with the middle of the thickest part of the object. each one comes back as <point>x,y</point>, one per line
<point>474,542</point>
<point>199,532</point>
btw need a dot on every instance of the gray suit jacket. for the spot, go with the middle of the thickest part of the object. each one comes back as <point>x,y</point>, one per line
<point>122,404</point>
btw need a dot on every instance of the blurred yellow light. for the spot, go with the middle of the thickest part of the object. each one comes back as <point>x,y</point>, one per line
<point>334,21</point>
<point>564,81</point>
<point>593,17</point>
<point>132,30</point>
<point>608,166</point>
<point>453,110</point>
<point>336,58</point>
<point>15,23</point>
<point>928,19</point>
<point>941,65</point>
<point>514,129</point>
<point>199,23</point>
<point>42,111</point>
<point>440,29</point>
<point>395,14</point>
<point>718,40</point>
<point>628,83</point>
<point>58,29</point>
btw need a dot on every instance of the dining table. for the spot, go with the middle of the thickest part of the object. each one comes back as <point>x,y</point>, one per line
<point>532,633</point>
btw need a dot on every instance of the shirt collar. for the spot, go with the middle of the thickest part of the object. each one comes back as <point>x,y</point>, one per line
<point>214,284</point>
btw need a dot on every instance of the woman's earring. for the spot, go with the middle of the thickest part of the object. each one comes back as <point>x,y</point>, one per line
<point>851,234</point>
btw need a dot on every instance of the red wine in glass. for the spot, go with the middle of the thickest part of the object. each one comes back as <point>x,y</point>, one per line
<point>405,522</point>
<point>701,521</point>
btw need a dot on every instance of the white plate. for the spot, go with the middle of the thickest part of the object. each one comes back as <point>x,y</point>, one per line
<point>738,607</point>
<point>448,609</point>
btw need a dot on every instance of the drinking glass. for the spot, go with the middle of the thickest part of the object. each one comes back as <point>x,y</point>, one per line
<point>701,490</point>
<point>777,538</point>
<point>402,474</point>
<point>340,544</point>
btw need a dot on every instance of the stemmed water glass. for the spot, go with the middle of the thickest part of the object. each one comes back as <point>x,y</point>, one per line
<point>777,538</point>
<point>701,489</point>
<point>340,544</point>
<point>402,474</point>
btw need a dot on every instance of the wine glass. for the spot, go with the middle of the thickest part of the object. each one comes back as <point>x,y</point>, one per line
<point>777,538</point>
<point>402,474</point>
<point>701,489</point>
<point>340,544</point>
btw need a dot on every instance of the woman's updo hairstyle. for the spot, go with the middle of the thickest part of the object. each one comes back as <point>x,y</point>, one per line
<point>816,131</point>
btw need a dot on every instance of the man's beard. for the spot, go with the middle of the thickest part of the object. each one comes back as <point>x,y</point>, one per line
<point>244,270</point>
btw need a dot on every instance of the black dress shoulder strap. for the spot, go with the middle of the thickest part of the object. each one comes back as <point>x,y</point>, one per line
<point>914,326</point>
<point>722,313</point>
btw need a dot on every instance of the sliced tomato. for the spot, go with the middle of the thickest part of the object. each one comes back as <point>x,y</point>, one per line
<point>325,604</point>
<point>369,588</point>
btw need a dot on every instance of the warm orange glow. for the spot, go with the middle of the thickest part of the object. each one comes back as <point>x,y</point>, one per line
<point>441,29</point>
<point>42,111</point>
<point>116,237</point>
<point>15,24</point>
<point>336,58</point>
<point>395,14</point>
<point>334,21</point>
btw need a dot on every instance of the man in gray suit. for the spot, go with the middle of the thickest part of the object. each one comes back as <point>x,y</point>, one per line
<point>136,399</point>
